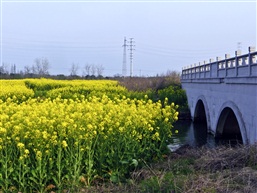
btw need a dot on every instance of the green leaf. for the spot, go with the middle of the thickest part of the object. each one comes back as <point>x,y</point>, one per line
<point>134,162</point>
<point>114,178</point>
<point>124,162</point>
<point>33,179</point>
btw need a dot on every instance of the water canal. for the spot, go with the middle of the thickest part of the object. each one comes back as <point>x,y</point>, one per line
<point>195,135</point>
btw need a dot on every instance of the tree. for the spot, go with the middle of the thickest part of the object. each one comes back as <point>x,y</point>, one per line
<point>27,69</point>
<point>93,69</point>
<point>99,70</point>
<point>13,69</point>
<point>4,69</point>
<point>41,66</point>
<point>86,70</point>
<point>74,69</point>
<point>34,70</point>
<point>45,66</point>
<point>1,69</point>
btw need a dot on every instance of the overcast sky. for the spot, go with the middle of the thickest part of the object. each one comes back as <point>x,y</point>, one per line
<point>167,35</point>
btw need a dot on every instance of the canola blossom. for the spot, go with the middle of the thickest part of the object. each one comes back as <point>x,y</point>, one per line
<point>68,141</point>
<point>14,88</point>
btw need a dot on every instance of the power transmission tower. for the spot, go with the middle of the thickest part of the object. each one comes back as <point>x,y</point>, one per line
<point>124,66</point>
<point>239,46</point>
<point>131,48</point>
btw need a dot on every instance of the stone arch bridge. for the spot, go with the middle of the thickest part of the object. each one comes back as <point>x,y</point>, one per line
<point>223,93</point>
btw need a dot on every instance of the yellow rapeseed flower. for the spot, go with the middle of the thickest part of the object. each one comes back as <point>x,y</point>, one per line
<point>20,145</point>
<point>26,151</point>
<point>39,155</point>
<point>64,144</point>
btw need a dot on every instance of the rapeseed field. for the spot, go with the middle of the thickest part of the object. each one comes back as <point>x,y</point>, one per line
<point>57,134</point>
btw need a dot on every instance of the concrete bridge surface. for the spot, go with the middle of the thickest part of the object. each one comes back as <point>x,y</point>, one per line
<point>224,94</point>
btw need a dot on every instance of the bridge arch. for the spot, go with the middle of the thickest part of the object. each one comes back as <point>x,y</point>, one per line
<point>230,123</point>
<point>201,111</point>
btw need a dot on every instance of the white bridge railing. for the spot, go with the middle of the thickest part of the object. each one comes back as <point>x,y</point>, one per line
<point>238,66</point>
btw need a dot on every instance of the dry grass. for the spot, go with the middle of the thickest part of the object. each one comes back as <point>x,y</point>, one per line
<point>194,170</point>
<point>222,158</point>
<point>154,83</point>
<point>223,169</point>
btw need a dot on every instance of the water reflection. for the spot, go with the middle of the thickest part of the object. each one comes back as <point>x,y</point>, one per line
<point>193,134</point>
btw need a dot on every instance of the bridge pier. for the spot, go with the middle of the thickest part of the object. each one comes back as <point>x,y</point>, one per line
<point>224,94</point>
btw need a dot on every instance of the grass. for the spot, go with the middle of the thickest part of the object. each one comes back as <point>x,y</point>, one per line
<point>154,83</point>
<point>189,170</point>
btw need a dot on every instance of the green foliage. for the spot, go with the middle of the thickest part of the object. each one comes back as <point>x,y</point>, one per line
<point>164,183</point>
<point>175,94</point>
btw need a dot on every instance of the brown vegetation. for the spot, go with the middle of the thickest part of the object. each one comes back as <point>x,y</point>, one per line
<point>154,83</point>
<point>224,169</point>
<point>189,170</point>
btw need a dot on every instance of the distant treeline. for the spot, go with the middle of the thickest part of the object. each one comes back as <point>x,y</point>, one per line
<point>133,83</point>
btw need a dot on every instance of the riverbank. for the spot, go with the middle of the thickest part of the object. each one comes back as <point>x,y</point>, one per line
<point>188,169</point>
